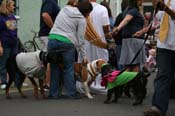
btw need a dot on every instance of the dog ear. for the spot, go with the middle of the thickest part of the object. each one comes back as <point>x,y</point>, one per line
<point>99,64</point>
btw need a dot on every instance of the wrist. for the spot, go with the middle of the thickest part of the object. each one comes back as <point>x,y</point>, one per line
<point>142,31</point>
<point>165,8</point>
<point>118,29</point>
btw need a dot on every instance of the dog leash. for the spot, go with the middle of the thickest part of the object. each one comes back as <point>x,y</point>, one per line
<point>145,39</point>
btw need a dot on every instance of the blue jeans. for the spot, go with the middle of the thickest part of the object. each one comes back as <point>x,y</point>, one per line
<point>4,59</point>
<point>165,75</point>
<point>68,58</point>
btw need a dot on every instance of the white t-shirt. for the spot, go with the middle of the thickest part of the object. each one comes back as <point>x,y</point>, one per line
<point>30,64</point>
<point>170,41</point>
<point>100,18</point>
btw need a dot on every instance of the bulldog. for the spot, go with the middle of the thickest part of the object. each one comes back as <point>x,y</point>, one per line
<point>86,73</point>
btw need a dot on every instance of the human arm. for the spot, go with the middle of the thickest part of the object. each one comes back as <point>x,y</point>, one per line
<point>1,49</point>
<point>155,24</point>
<point>123,23</point>
<point>106,29</point>
<point>164,7</point>
<point>92,36</point>
<point>106,24</point>
<point>47,19</point>
<point>81,27</point>
<point>143,31</point>
<point>46,12</point>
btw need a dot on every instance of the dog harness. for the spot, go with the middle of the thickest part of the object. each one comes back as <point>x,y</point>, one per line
<point>93,73</point>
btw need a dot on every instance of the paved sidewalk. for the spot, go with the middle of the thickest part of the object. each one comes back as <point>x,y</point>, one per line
<point>82,107</point>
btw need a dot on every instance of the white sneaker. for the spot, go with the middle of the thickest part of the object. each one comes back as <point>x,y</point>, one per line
<point>3,86</point>
<point>25,84</point>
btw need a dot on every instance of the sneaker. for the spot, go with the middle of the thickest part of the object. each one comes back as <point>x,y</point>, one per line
<point>25,84</point>
<point>46,88</point>
<point>3,86</point>
<point>153,111</point>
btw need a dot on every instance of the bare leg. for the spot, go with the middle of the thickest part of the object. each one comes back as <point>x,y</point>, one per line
<point>41,88</point>
<point>35,87</point>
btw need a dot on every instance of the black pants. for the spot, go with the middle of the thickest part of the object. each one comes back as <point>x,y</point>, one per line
<point>172,90</point>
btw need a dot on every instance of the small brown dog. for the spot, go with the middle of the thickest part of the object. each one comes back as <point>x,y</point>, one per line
<point>31,64</point>
<point>87,73</point>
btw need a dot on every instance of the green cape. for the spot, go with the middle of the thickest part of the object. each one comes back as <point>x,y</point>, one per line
<point>122,79</point>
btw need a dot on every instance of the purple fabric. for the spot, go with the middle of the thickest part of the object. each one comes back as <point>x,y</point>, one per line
<point>111,77</point>
<point>8,30</point>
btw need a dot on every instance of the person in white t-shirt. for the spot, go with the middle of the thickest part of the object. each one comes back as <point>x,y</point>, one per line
<point>100,20</point>
<point>165,61</point>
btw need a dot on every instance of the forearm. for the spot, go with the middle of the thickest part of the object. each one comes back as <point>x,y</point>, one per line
<point>146,29</point>
<point>170,12</point>
<point>106,30</point>
<point>122,24</point>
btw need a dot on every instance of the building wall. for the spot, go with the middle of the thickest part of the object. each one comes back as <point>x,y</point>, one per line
<point>29,18</point>
<point>29,13</point>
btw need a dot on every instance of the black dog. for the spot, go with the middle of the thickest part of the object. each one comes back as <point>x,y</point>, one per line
<point>138,86</point>
<point>16,68</point>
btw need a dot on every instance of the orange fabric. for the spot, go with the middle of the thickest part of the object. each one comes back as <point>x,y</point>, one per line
<point>164,28</point>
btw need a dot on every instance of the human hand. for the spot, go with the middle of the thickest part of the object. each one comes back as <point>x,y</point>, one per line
<point>109,35</point>
<point>1,51</point>
<point>115,31</point>
<point>138,34</point>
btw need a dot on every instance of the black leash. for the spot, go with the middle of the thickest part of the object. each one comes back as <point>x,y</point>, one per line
<point>145,39</point>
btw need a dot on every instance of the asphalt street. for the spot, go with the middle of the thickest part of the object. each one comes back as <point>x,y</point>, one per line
<point>82,107</point>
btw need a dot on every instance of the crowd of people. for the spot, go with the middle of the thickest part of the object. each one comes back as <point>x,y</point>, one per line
<point>65,29</point>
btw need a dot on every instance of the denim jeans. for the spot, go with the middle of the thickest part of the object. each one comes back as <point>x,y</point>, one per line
<point>6,61</point>
<point>165,75</point>
<point>68,58</point>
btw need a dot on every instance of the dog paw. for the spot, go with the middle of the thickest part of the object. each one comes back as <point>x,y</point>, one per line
<point>90,97</point>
